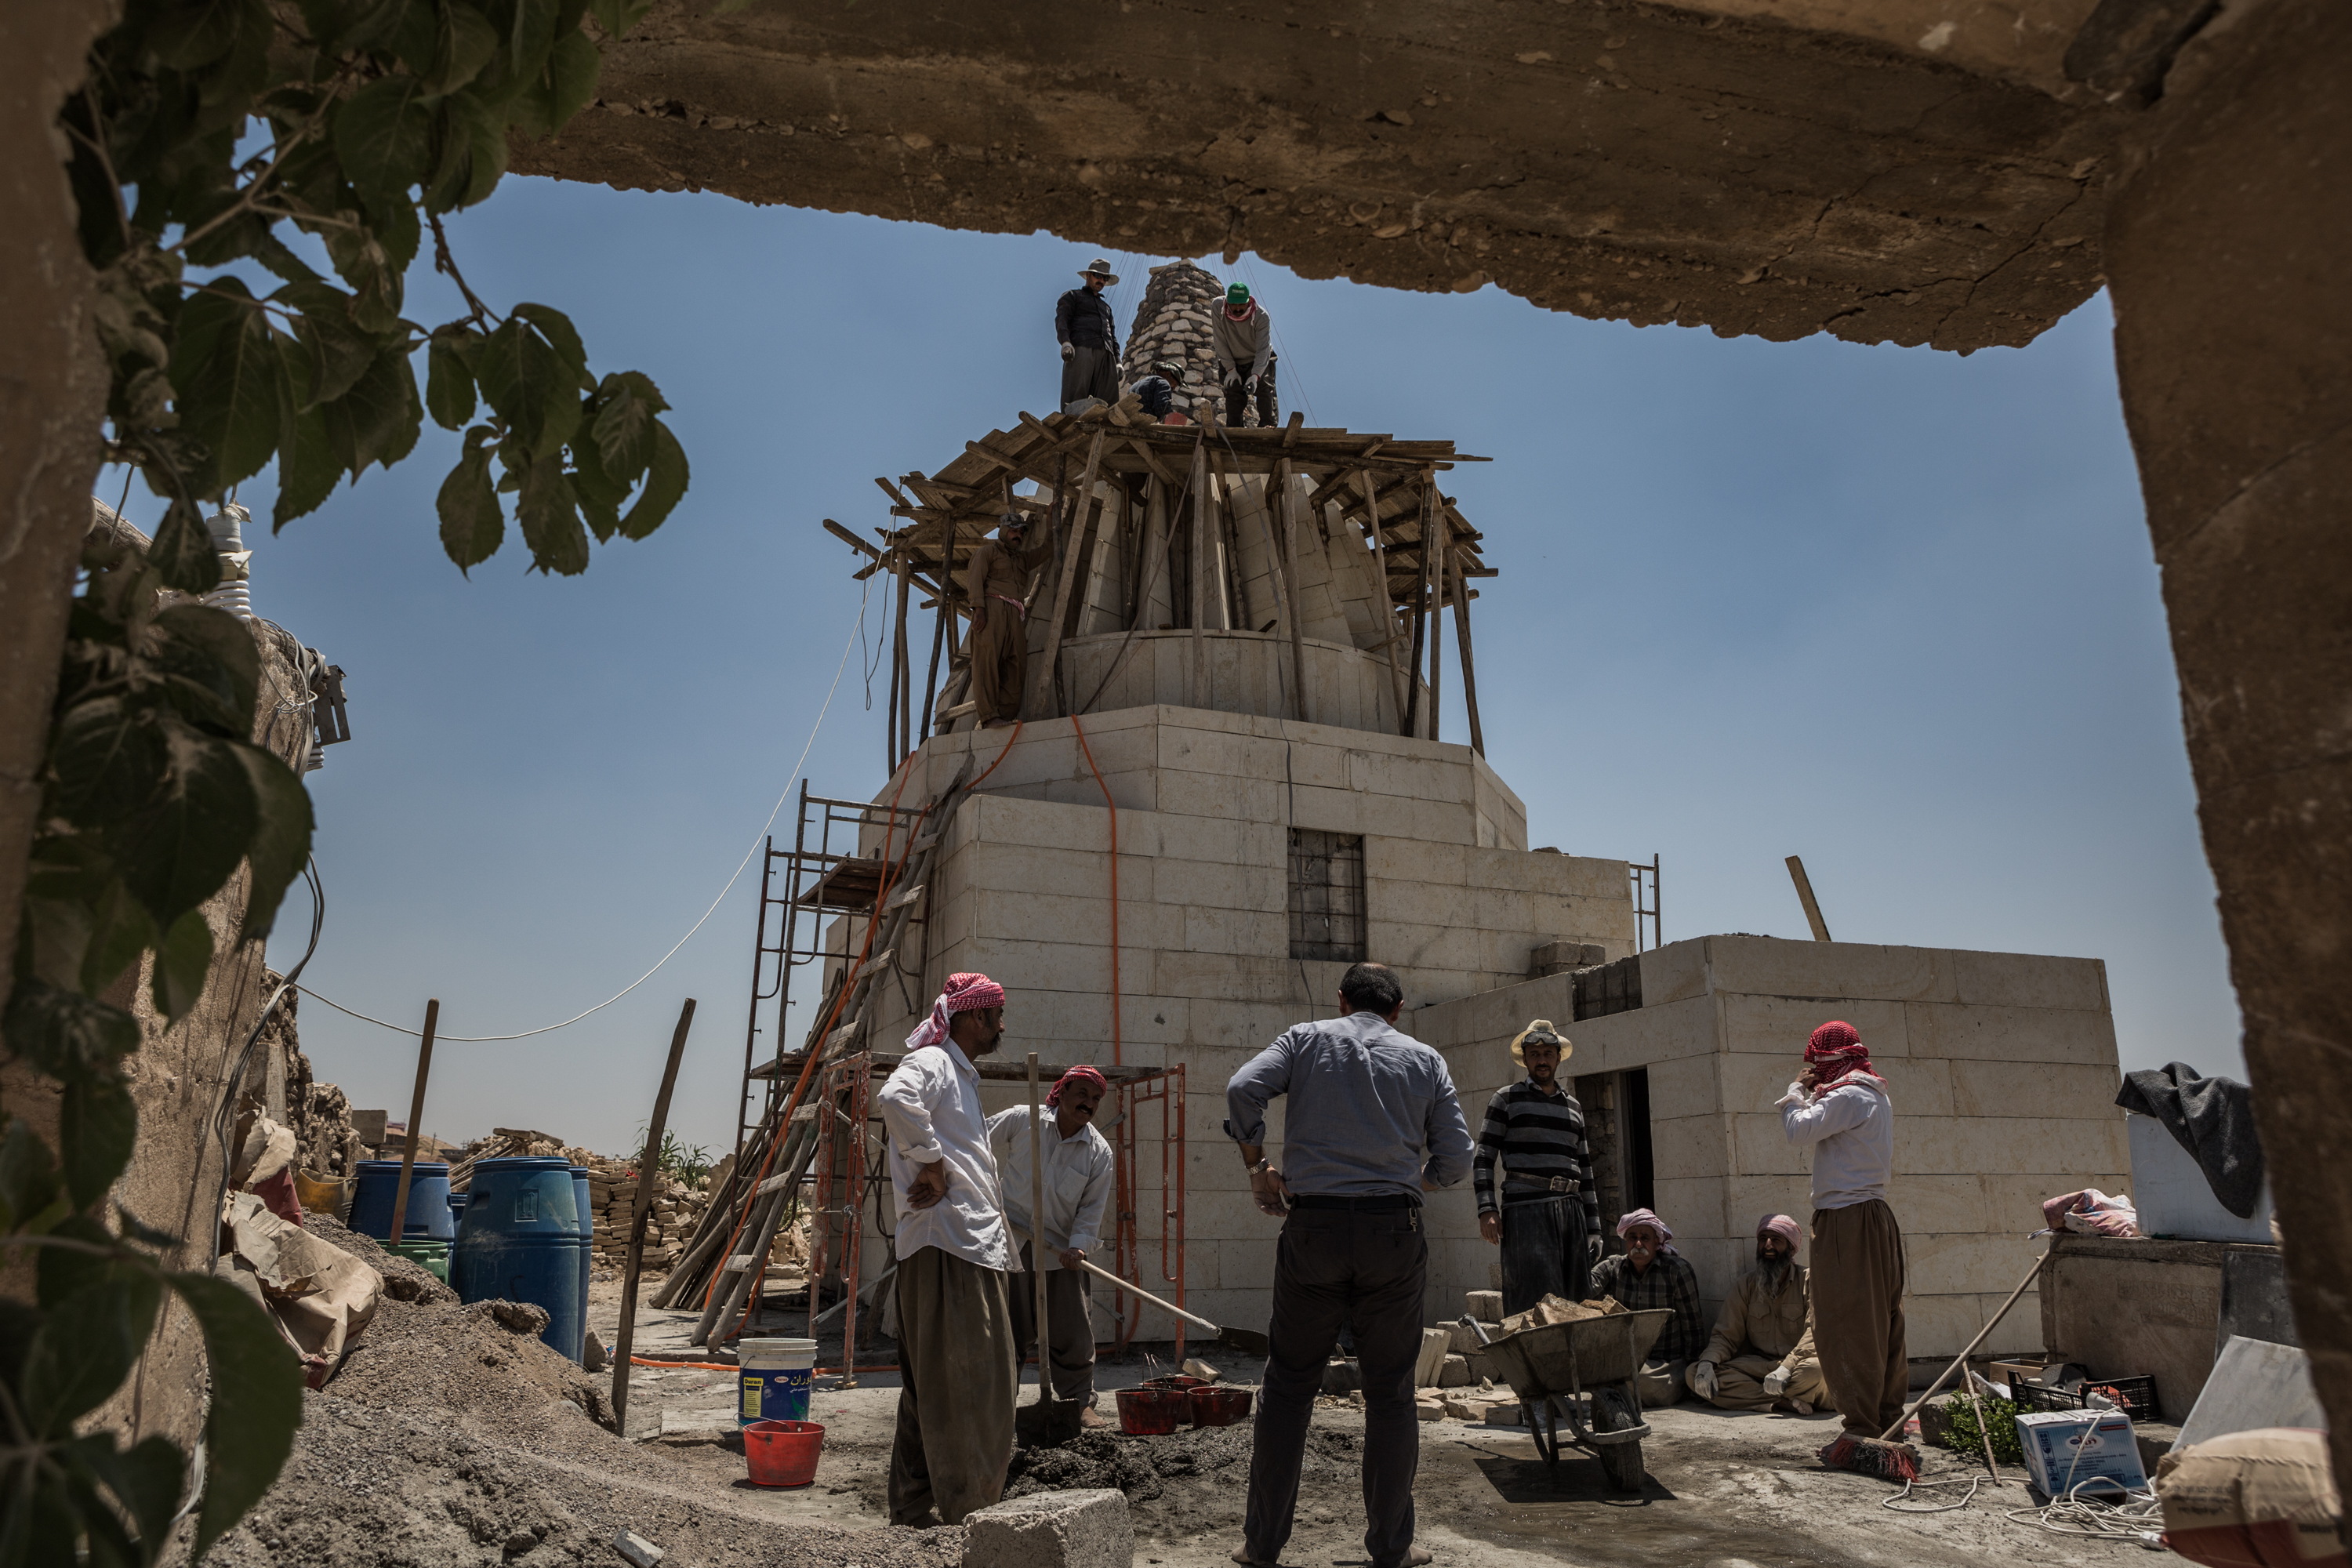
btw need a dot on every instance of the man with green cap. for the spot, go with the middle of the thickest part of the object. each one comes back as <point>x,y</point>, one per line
<point>1548,1219</point>
<point>1243,336</point>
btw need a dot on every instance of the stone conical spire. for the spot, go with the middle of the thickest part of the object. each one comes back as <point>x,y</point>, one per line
<point>1172,322</point>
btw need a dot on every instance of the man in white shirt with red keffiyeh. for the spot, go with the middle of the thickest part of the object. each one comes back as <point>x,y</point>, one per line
<point>958,1362</point>
<point>1841,1107</point>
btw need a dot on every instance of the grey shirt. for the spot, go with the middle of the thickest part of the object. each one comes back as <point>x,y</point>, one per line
<point>1365,1101</point>
<point>1242,347</point>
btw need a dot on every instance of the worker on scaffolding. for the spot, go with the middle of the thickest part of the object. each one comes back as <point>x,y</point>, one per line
<point>997,583</point>
<point>1089,339</point>
<point>960,1371</point>
<point>1077,1186</point>
<point>1243,336</point>
<point>1158,392</point>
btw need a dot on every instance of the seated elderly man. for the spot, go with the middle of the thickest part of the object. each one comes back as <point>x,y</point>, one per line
<point>1761,1356</point>
<point>1648,1274</point>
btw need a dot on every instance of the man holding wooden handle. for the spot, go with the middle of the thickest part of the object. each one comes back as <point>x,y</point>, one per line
<point>1077,1186</point>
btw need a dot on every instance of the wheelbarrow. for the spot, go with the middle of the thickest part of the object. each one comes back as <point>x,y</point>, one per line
<point>1553,1369</point>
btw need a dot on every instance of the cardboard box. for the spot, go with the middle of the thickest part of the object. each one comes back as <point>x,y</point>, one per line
<point>2064,1448</point>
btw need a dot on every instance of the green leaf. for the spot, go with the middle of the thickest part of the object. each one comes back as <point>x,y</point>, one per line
<point>339,352</point>
<point>232,384</point>
<point>362,260</point>
<point>65,1034</point>
<point>528,382</point>
<point>473,154</point>
<point>86,1347</point>
<point>120,930</point>
<point>183,553</point>
<point>189,37</point>
<point>182,959</point>
<point>466,43</point>
<point>281,838</point>
<point>448,384</point>
<point>98,1124</point>
<point>617,17</point>
<point>212,670</point>
<point>257,1402</point>
<point>557,328</point>
<point>623,426</point>
<point>473,526</point>
<point>29,1186</point>
<point>108,756</point>
<point>307,467</point>
<point>550,520</point>
<point>665,480</point>
<point>600,495</point>
<point>62,1274</point>
<point>145,1479</point>
<point>384,133</point>
<point>561,88</point>
<point>367,424</point>
<point>177,851</point>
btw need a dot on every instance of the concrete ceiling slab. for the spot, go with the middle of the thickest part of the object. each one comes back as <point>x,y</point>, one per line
<point>1615,161</point>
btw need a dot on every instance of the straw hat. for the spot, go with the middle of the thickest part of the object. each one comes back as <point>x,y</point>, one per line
<point>1540,1031</point>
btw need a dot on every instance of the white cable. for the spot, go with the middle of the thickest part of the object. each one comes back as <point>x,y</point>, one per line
<point>856,639</point>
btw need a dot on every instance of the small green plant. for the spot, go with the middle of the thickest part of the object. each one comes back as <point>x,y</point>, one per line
<point>688,1163</point>
<point>2000,1415</point>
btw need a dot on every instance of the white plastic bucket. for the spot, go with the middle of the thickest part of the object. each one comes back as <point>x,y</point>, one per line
<point>773,1382</point>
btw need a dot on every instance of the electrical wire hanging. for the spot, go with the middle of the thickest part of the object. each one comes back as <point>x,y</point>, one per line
<point>857,640</point>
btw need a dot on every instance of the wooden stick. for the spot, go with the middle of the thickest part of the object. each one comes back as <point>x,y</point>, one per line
<point>1290,560</point>
<point>1983,1436</point>
<point>642,1212</point>
<point>1805,897</point>
<point>1469,670</point>
<point>1197,696</point>
<point>1049,678</point>
<point>1435,556</point>
<point>415,1120</point>
<point>1387,606</point>
<point>1961,1360</point>
<point>939,626</point>
<point>1037,1223</point>
<point>905,678</point>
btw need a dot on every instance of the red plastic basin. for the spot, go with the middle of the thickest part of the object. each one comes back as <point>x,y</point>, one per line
<point>1150,1412</point>
<point>1176,1380</point>
<point>782,1453</point>
<point>1219,1407</point>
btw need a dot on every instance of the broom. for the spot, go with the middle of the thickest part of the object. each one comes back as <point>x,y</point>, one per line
<point>1889,1460</point>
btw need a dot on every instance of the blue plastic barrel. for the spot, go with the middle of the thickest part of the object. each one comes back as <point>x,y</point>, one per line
<point>428,1217</point>
<point>520,1242</point>
<point>587,1245</point>
<point>457,1209</point>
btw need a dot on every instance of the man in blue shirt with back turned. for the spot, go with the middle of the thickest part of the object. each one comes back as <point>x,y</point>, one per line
<point>1372,1122</point>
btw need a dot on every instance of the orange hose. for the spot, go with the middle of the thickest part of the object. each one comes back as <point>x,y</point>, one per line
<point>699,1366</point>
<point>1081,732</point>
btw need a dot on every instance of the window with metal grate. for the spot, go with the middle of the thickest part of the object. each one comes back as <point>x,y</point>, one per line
<point>1326,896</point>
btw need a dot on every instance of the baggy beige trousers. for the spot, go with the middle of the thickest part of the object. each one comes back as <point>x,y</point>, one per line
<point>1857,1283</point>
<point>1070,1339</point>
<point>1000,664</point>
<point>1740,1383</point>
<point>961,1375</point>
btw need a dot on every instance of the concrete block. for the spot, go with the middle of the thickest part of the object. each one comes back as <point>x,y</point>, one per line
<point>1087,1529</point>
<point>1684,1086</point>
<point>1486,1306</point>
<point>1979,1263</point>
<point>1557,957</point>
<point>1212,884</point>
<point>1973,1144</point>
<point>1779,1026</point>
<point>1436,1345</point>
<point>1692,1146</point>
<point>1428,1407</point>
<point>1774,966</point>
<point>1952,1203</point>
<point>2029,980</point>
<point>2011,1034</point>
<point>1694,1205</point>
<point>1506,1412</point>
<point>2083,1090</point>
<point>1644,1037</point>
<point>1760,1147</point>
<point>1409,858</point>
<point>1454,1372</point>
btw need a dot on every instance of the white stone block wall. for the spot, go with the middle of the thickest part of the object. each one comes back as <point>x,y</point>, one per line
<point>2001,1066</point>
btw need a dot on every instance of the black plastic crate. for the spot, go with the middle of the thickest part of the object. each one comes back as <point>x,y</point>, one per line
<point>2135,1395</point>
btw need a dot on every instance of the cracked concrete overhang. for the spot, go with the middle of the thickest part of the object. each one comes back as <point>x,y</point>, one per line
<point>1615,161</point>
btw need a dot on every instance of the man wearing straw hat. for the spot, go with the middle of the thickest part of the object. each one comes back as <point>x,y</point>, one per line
<point>1078,1173</point>
<point>1548,1218</point>
<point>1089,338</point>
<point>958,1364</point>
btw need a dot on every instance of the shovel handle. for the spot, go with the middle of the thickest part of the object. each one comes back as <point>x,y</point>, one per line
<point>1164,1306</point>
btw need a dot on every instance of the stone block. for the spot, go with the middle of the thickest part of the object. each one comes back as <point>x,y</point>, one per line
<point>2075,1090</point>
<point>1950,1263</point>
<point>1409,858</point>
<point>1558,957</point>
<point>1674,973</point>
<point>1088,1529</point>
<point>1465,1340</point>
<point>1951,1145</point>
<point>1436,1345</point>
<point>1683,1086</point>
<point>1506,1412</point>
<point>1951,1204</point>
<point>2031,980</point>
<point>1774,966</point>
<point>1760,1147</point>
<point>1212,884</point>
<point>1643,1036</point>
<point>1696,1146</point>
<point>1428,1407</point>
<point>1694,1205</point>
<point>1486,1306</point>
<point>2011,1034</point>
<point>1454,1372</point>
<point>1778,1025</point>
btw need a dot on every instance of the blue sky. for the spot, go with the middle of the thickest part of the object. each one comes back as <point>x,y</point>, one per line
<point>1889,609</point>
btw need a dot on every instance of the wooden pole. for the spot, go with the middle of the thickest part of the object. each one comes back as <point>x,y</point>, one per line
<point>904,677</point>
<point>1290,564</point>
<point>1436,543</point>
<point>1048,681</point>
<point>940,628</point>
<point>1805,897</point>
<point>1387,606</point>
<point>1197,692</point>
<point>1037,1225</point>
<point>641,1211</point>
<point>415,1120</point>
<point>1469,670</point>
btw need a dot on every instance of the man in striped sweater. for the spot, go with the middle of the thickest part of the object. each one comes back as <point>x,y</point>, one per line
<point>1546,1218</point>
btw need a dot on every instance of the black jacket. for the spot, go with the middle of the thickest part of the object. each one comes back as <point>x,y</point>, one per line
<point>1083,319</point>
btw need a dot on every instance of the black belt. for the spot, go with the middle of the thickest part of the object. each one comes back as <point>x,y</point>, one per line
<point>1556,1187</point>
<point>1384,1203</point>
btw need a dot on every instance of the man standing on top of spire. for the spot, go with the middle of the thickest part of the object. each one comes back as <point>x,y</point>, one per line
<point>1243,336</point>
<point>1089,338</point>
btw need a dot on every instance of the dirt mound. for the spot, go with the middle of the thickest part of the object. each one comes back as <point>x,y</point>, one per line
<point>1197,1478</point>
<point>404,1279</point>
<point>453,1437</point>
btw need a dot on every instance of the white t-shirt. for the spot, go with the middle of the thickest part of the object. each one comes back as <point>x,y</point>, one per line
<point>1852,1131</point>
<point>930,1109</point>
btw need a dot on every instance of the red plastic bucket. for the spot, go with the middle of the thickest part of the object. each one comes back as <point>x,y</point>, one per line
<point>1219,1407</point>
<point>782,1453</point>
<point>1176,1380</point>
<point>1150,1412</point>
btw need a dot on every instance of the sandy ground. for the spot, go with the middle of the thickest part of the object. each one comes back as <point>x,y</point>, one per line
<point>1726,1490</point>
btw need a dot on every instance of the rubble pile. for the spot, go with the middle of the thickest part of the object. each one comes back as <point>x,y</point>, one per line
<point>612,1186</point>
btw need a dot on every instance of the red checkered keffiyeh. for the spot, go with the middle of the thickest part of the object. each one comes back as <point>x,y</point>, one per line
<point>1079,1073</point>
<point>1836,1053</point>
<point>967,992</point>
